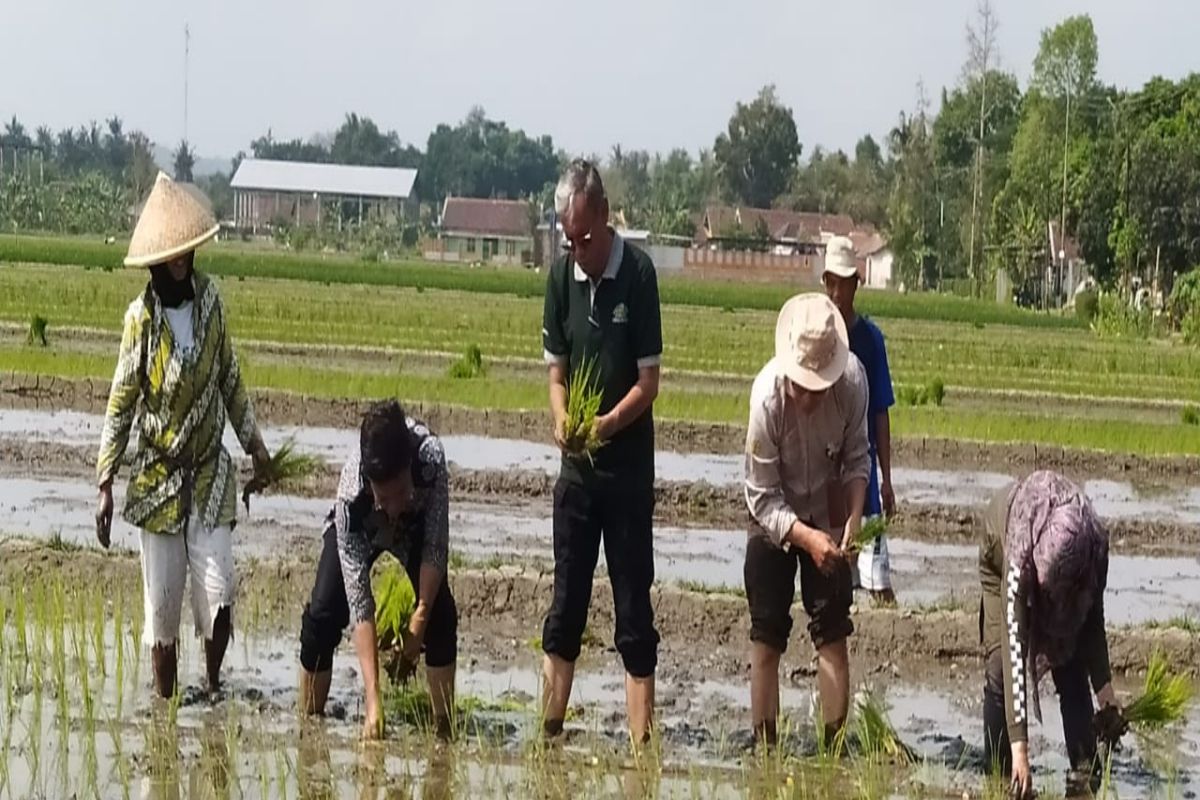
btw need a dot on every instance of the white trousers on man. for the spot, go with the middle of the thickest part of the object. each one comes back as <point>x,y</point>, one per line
<point>206,554</point>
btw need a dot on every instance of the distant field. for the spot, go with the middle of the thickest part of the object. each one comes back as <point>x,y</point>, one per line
<point>1005,382</point>
<point>232,261</point>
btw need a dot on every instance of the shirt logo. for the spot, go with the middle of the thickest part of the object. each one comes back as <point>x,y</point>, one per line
<point>620,314</point>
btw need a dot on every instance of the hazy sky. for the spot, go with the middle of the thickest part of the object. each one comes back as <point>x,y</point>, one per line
<point>652,74</point>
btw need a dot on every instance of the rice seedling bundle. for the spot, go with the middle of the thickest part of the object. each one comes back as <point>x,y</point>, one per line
<point>583,405</point>
<point>470,365</point>
<point>871,530</point>
<point>394,603</point>
<point>876,735</point>
<point>1165,697</point>
<point>37,330</point>
<point>285,466</point>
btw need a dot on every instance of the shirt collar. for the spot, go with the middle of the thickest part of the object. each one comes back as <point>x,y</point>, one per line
<point>615,256</point>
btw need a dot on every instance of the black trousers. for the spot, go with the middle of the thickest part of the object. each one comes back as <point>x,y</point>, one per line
<point>328,613</point>
<point>1074,701</point>
<point>622,516</point>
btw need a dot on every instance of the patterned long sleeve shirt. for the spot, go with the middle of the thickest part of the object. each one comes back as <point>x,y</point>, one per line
<point>422,533</point>
<point>179,400</point>
<point>793,462</point>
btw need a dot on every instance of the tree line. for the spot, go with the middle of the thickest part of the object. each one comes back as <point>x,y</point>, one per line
<point>960,191</point>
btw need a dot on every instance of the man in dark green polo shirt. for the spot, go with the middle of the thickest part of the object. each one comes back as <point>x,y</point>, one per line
<point>602,304</point>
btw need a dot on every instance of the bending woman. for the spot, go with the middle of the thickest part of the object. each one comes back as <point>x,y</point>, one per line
<point>1043,565</point>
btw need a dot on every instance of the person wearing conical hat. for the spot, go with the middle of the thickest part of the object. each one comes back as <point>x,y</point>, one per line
<point>806,482</point>
<point>176,363</point>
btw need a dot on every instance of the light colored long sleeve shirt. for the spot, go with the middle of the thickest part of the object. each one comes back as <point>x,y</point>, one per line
<point>180,396</point>
<point>793,459</point>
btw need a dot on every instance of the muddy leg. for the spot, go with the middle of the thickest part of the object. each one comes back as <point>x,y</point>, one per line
<point>833,683</point>
<point>441,696</point>
<point>163,658</point>
<point>214,649</point>
<point>314,691</point>
<point>558,674</point>
<point>764,692</point>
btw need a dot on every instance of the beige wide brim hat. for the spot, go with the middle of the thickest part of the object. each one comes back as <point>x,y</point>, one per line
<point>811,344</point>
<point>840,258</point>
<point>176,219</point>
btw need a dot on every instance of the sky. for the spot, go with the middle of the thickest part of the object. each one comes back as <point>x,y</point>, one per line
<point>647,74</point>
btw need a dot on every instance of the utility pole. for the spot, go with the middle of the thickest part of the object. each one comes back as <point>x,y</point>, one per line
<point>1062,225</point>
<point>187,46</point>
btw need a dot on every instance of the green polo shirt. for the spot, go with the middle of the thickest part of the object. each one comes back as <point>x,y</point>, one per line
<point>615,320</point>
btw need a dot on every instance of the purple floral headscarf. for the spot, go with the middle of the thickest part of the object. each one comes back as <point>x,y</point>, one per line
<point>1060,547</point>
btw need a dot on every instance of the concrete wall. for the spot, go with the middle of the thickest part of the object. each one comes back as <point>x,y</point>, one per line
<point>744,265</point>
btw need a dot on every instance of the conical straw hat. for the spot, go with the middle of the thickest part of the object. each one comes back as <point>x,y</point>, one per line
<point>175,220</point>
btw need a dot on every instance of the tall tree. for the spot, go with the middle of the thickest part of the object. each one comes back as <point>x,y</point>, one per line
<point>981,54</point>
<point>1065,69</point>
<point>185,161</point>
<point>758,153</point>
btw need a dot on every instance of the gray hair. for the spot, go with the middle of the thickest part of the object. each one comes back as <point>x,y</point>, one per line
<point>580,177</point>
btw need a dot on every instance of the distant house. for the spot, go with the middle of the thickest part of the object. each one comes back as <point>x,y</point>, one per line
<point>485,231</point>
<point>874,258</point>
<point>267,193</point>
<point>788,232</point>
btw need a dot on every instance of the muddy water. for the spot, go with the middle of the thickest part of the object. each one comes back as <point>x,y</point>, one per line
<point>1113,499</point>
<point>248,743</point>
<point>1140,589</point>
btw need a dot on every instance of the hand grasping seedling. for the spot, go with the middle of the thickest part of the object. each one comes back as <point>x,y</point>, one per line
<point>285,466</point>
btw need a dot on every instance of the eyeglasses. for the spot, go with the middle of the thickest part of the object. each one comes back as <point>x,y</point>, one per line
<point>579,243</point>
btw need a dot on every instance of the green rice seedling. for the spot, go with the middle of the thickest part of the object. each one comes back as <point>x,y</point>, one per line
<point>871,530</point>
<point>876,736</point>
<point>584,396</point>
<point>37,330</point>
<point>285,466</point>
<point>470,365</point>
<point>1165,697</point>
<point>1190,415</point>
<point>394,603</point>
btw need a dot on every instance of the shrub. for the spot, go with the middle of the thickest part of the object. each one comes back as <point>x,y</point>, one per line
<point>1185,296</point>
<point>1117,319</point>
<point>1087,304</point>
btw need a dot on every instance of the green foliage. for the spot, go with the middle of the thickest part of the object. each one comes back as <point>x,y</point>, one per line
<point>1190,415</point>
<point>1117,319</point>
<point>288,466</point>
<point>1066,59</point>
<point>757,155</point>
<point>37,330</point>
<point>1185,295</point>
<point>1087,306</point>
<point>481,157</point>
<point>1165,697</point>
<point>185,162</point>
<point>584,395</point>
<point>1191,327</point>
<point>470,365</point>
<point>395,601</point>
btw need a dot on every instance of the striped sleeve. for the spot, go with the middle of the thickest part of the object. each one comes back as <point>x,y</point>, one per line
<point>1015,671</point>
<point>122,397</point>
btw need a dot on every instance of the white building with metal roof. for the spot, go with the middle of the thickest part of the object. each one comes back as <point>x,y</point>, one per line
<point>269,193</point>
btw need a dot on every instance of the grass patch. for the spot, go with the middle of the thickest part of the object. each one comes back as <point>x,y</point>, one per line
<point>233,262</point>
<point>1184,622</point>
<point>37,330</point>
<point>699,587</point>
<point>470,365</point>
<point>1190,415</point>
<point>929,394</point>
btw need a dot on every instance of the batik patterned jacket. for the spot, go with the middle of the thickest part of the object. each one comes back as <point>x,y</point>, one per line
<point>180,401</point>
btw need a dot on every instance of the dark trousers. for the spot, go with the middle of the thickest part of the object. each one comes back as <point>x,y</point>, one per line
<point>770,580</point>
<point>1074,701</point>
<point>622,516</point>
<point>328,613</point>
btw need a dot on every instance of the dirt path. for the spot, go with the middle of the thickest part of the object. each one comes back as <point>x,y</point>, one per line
<point>282,408</point>
<point>679,503</point>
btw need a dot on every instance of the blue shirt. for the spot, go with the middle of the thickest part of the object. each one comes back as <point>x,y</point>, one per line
<point>866,342</point>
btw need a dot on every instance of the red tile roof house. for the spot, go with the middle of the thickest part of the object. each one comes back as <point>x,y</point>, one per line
<point>483,231</point>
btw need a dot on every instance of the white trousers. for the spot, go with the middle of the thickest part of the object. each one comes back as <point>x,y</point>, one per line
<point>167,560</point>
<point>874,568</point>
